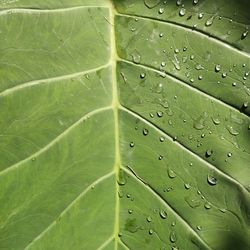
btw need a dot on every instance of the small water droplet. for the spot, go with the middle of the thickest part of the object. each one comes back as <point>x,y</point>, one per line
<point>161,11</point>
<point>207,205</point>
<point>199,67</point>
<point>160,157</point>
<point>142,75</point>
<point>210,21</point>
<point>132,144</point>
<point>216,121</point>
<point>173,237</point>
<point>182,12</point>
<point>145,131</point>
<point>195,2</point>
<point>229,154</point>
<point>200,77</point>
<point>217,67</point>
<point>199,227</point>
<point>159,113</point>
<point>171,174</point>
<point>121,178</point>
<point>163,214</point>
<point>211,180</point>
<point>244,35</point>
<point>150,231</point>
<point>234,84</point>
<point>193,201</point>
<point>224,75</point>
<point>231,130</point>
<point>187,185</point>
<point>163,64</point>
<point>162,139</point>
<point>161,35</point>
<point>200,15</point>
<point>209,152</point>
<point>149,219</point>
<point>136,57</point>
<point>130,211</point>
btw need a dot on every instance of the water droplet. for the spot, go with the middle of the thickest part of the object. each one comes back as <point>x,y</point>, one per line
<point>160,157</point>
<point>195,2</point>
<point>207,205</point>
<point>209,152</point>
<point>161,35</point>
<point>163,214</point>
<point>231,130</point>
<point>210,21</point>
<point>161,11</point>
<point>199,123</point>
<point>224,75</point>
<point>151,3</point>
<point>171,174</point>
<point>145,131</point>
<point>130,211</point>
<point>132,144</point>
<point>159,113</point>
<point>142,75</point>
<point>217,67</point>
<point>200,77</point>
<point>163,64</point>
<point>234,84</point>
<point>200,15</point>
<point>149,219</point>
<point>182,12</point>
<point>121,178</point>
<point>202,135</point>
<point>216,121</point>
<point>193,201</point>
<point>162,139</point>
<point>150,231</point>
<point>244,35</point>
<point>119,235</point>
<point>136,57</point>
<point>173,237</point>
<point>199,227</point>
<point>245,105</point>
<point>211,180</point>
<point>187,185</point>
<point>229,154</point>
<point>199,67</point>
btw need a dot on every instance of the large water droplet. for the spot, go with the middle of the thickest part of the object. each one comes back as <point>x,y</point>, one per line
<point>217,67</point>
<point>121,178</point>
<point>211,180</point>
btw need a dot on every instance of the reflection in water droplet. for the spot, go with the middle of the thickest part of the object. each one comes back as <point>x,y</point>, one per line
<point>211,180</point>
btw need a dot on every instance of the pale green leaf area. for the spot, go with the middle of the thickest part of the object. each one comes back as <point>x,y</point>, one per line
<point>124,124</point>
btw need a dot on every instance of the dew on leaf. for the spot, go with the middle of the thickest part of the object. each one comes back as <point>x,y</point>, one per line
<point>187,185</point>
<point>229,154</point>
<point>163,214</point>
<point>171,173</point>
<point>145,131</point>
<point>217,67</point>
<point>244,35</point>
<point>150,231</point>
<point>193,201</point>
<point>162,139</point>
<point>149,219</point>
<point>132,144</point>
<point>211,180</point>
<point>136,57</point>
<point>209,21</point>
<point>209,152</point>
<point>161,11</point>
<point>173,237</point>
<point>182,12</point>
<point>142,75</point>
<point>159,113</point>
<point>207,205</point>
<point>200,15</point>
<point>231,130</point>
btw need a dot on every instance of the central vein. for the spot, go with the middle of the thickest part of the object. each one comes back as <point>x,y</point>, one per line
<point>115,106</point>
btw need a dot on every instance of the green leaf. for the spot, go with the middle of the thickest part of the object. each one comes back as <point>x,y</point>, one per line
<point>125,124</point>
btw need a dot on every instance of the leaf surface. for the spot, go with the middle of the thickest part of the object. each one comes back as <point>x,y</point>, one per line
<point>124,124</point>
